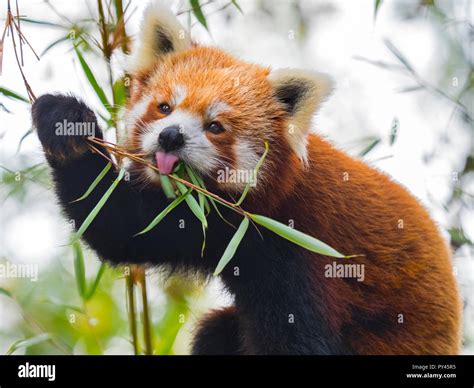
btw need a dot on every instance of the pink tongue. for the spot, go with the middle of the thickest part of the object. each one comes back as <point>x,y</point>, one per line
<point>165,162</point>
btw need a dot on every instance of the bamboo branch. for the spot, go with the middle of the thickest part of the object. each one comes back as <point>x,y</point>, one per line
<point>121,152</point>
<point>131,310</point>
<point>146,314</point>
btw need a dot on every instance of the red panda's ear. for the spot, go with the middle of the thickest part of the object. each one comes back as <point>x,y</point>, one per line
<point>160,33</point>
<point>301,93</point>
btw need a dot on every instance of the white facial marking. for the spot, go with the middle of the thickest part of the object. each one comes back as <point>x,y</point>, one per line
<point>247,157</point>
<point>214,109</point>
<point>133,116</point>
<point>246,154</point>
<point>179,95</point>
<point>198,151</point>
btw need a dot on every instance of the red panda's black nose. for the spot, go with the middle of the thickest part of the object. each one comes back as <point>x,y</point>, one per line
<point>171,138</point>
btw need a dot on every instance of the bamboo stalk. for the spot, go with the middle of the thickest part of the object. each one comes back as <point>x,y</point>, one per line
<point>146,314</point>
<point>131,310</point>
<point>121,19</point>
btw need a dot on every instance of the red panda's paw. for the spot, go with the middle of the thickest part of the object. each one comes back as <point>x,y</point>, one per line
<point>64,123</point>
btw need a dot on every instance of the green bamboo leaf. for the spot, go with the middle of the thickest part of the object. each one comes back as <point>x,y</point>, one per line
<point>13,95</point>
<point>95,183</point>
<point>5,292</point>
<point>295,236</point>
<point>369,148</point>
<point>394,131</point>
<point>234,2</point>
<point>203,202</point>
<point>96,283</point>
<point>193,205</point>
<point>4,108</point>
<point>395,51</point>
<point>203,246</point>
<point>197,11</point>
<point>167,187</point>
<point>232,247</point>
<point>28,342</point>
<point>377,5</point>
<point>92,80</point>
<point>27,133</point>
<point>79,269</point>
<point>195,179</point>
<point>98,206</point>
<point>254,175</point>
<point>53,44</point>
<point>213,202</point>
<point>458,237</point>
<point>108,120</point>
<point>411,89</point>
<point>41,22</point>
<point>165,212</point>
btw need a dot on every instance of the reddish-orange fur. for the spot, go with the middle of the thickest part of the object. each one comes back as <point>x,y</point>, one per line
<point>408,268</point>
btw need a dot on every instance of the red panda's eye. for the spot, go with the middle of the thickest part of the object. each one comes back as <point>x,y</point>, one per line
<point>164,108</point>
<point>215,127</point>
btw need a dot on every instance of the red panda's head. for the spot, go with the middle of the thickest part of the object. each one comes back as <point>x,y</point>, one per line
<point>213,111</point>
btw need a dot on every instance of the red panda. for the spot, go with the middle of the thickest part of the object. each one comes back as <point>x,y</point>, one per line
<point>202,106</point>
